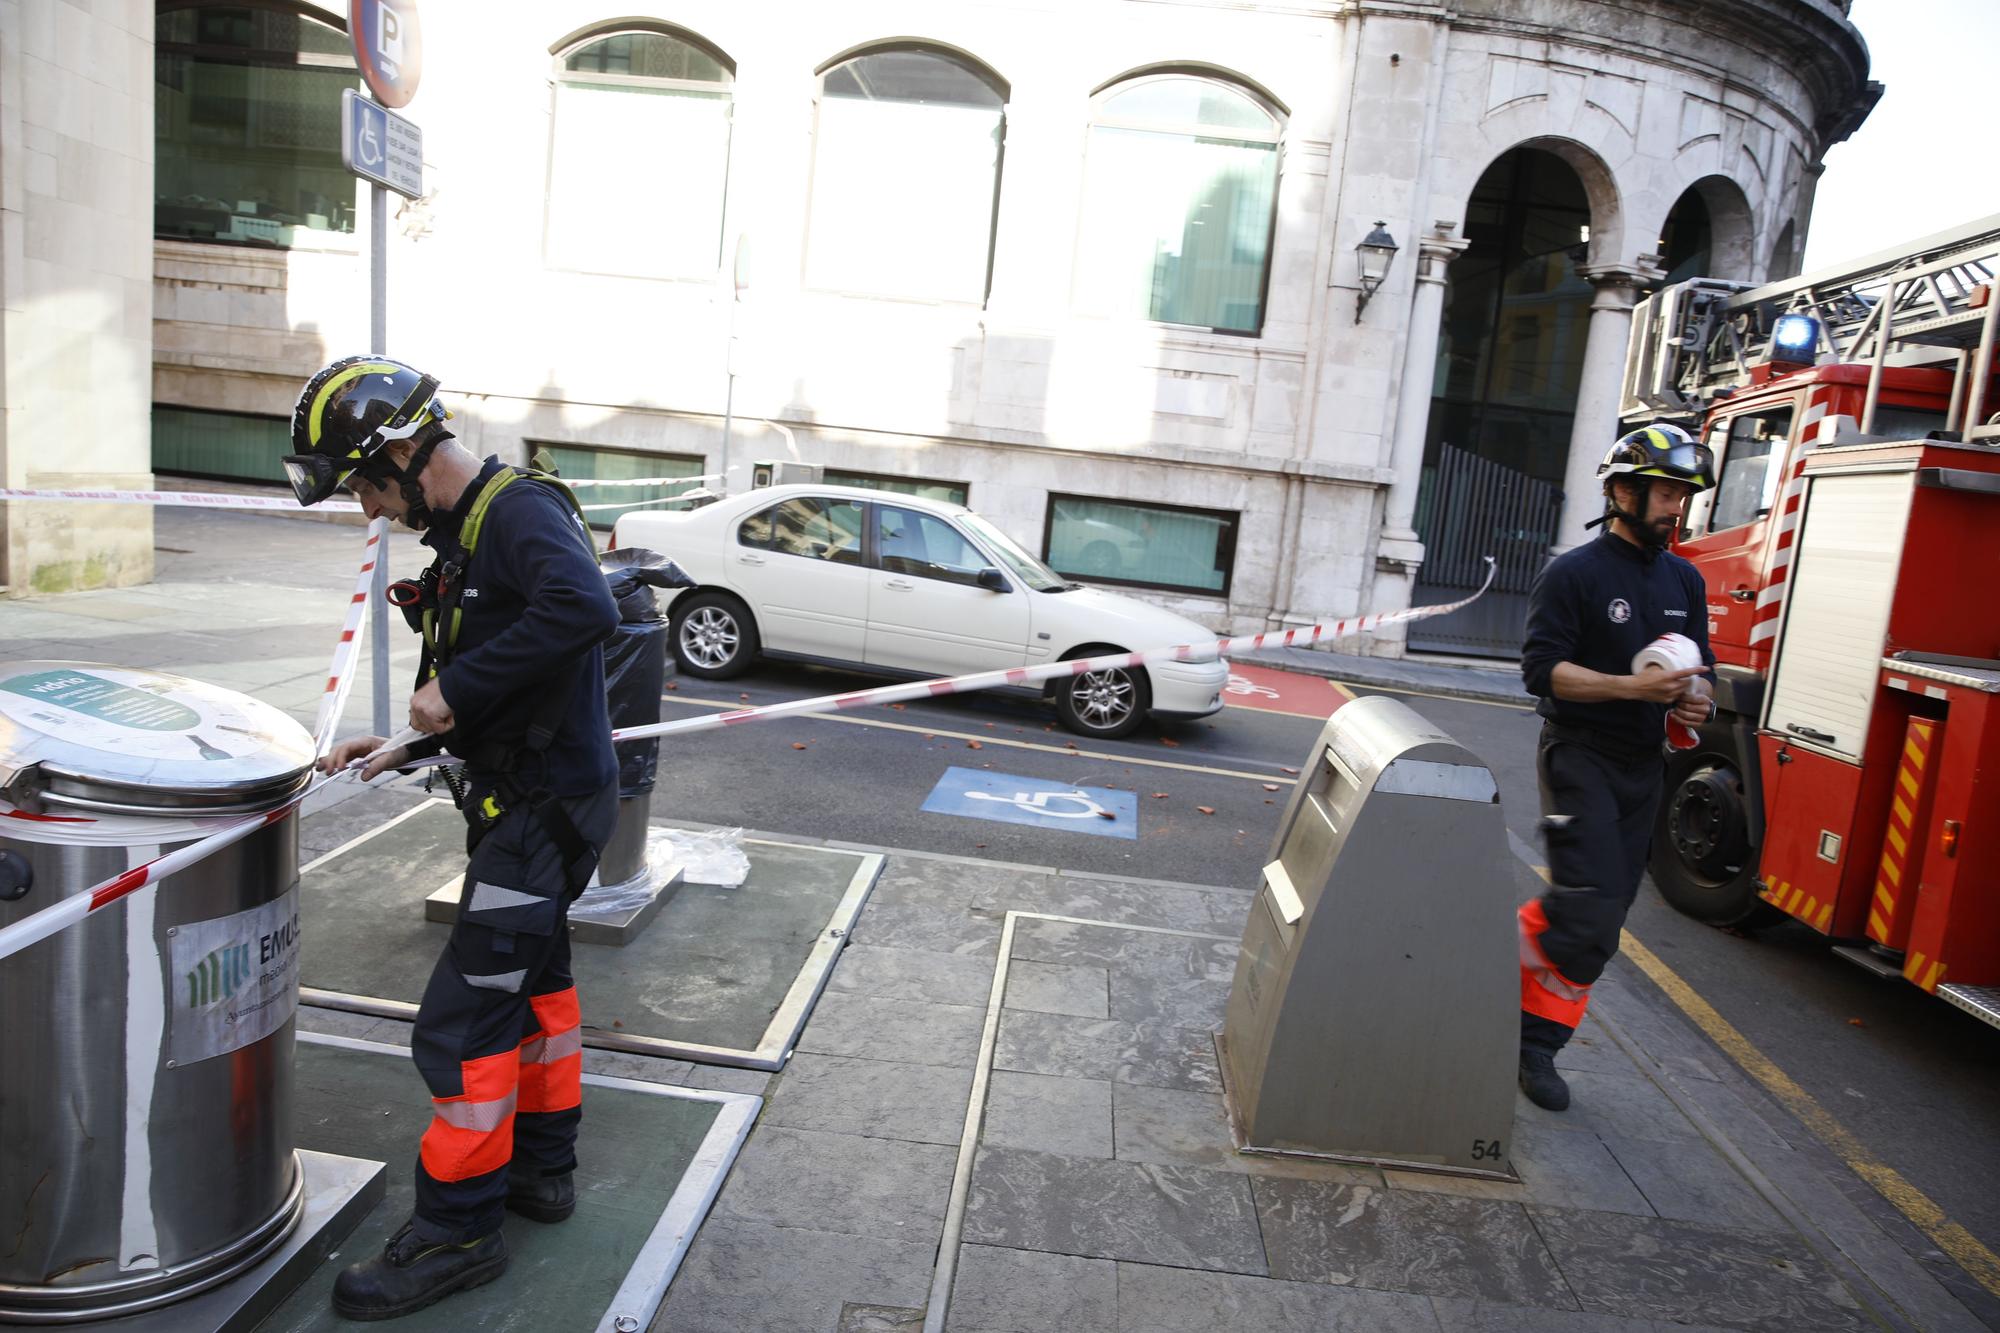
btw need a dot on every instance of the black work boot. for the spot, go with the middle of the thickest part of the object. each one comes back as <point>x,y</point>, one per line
<point>411,1273</point>
<point>541,1198</point>
<point>1539,1079</point>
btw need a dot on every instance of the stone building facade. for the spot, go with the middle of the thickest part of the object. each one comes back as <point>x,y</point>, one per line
<point>1090,263</point>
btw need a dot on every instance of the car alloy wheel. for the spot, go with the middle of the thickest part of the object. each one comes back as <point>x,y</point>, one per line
<point>710,638</point>
<point>1103,699</point>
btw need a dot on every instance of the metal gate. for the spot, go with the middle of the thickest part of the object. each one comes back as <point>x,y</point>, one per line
<point>1473,507</point>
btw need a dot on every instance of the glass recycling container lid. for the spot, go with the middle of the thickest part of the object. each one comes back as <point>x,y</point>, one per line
<point>83,736</point>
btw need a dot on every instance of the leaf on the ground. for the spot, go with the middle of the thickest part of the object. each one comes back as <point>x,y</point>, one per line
<point>899,707</point>
<point>1856,1023</point>
<point>989,726</point>
<point>617,1023</point>
<point>1170,742</point>
<point>798,745</point>
<point>1069,745</point>
<point>1159,796</point>
<point>978,846</point>
<point>1206,809</point>
<point>930,735</point>
<point>1270,786</point>
<point>1289,769</point>
<point>744,697</point>
<point>974,745</point>
<point>1106,814</point>
<point>673,684</point>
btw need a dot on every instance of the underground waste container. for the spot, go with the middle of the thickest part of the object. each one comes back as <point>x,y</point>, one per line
<point>146,1131</point>
<point>635,671</point>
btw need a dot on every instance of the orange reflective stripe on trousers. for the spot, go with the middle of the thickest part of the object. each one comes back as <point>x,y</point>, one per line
<point>552,1059</point>
<point>1545,992</point>
<point>473,1133</point>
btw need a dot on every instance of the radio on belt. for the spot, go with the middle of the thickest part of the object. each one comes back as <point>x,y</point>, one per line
<point>1375,1014</point>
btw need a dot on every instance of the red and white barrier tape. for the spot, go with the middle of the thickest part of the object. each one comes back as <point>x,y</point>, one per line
<point>333,701</point>
<point>59,916</point>
<point>989,680</point>
<point>188,499</point>
<point>347,650</point>
<point>46,922</point>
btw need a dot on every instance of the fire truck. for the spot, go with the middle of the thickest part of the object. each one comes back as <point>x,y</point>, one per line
<point>1850,779</point>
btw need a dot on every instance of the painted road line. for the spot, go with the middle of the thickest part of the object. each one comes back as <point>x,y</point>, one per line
<point>1964,1248</point>
<point>1277,774</point>
<point>1003,798</point>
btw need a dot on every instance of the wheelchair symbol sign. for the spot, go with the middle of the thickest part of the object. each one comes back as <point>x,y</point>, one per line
<point>1007,799</point>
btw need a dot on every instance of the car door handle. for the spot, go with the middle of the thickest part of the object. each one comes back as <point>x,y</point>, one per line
<point>749,559</point>
<point>1743,594</point>
<point>900,585</point>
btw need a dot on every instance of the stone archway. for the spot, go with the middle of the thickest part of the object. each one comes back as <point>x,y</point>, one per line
<point>1709,233</point>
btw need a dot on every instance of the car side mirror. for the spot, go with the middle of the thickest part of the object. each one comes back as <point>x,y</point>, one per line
<point>993,580</point>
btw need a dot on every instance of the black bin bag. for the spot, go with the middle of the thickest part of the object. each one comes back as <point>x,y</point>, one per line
<point>635,656</point>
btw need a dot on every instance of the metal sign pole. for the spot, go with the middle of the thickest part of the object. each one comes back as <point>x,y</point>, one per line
<point>378,342</point>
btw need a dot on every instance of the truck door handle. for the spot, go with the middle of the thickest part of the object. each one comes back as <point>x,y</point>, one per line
<point>1742,594</point>
<point>1810,734</point>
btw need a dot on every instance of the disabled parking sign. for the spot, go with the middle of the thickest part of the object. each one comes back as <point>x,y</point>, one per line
<point>1007,799</point>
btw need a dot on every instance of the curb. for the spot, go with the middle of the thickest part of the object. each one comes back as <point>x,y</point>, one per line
<point>1474,683</point>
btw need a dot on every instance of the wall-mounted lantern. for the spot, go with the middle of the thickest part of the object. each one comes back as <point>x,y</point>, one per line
<point>1372,259</point>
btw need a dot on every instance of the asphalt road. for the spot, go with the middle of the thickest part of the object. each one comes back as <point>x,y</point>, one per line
<point>1914,1080</point>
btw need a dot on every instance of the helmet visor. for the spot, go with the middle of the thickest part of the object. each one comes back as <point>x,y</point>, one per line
<point>314,477</point>
<point>1689,462</point>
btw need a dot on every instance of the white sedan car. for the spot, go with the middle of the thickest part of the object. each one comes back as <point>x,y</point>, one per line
<point>913,587</point>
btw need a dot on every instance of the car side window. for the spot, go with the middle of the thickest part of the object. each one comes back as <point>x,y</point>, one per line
<point>925,546</point>
<point>817,529</point>
<point>756,529</point>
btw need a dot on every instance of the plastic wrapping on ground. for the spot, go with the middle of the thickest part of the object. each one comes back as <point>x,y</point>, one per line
<point>706,856</point>
<point>635,657</point>
<point>713,856</point>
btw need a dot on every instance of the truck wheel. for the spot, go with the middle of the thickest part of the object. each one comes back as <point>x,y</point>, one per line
<point>714,636</point>
<point>1703,859</point>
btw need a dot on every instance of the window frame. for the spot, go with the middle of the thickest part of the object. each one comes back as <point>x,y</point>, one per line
<point>1280,116</point>
<point>336,22</point>
<point>884,484</point>
<point>980,70</point>
<point>533,443</point>
<point>1726,456</point>
<point>1225,548</point>
<point>559,53</point>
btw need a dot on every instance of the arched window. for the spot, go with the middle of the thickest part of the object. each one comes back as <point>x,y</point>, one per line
<point>1181,189</point>
<point>906,171</point>
<point>246,126</point>
<point>639,166</point>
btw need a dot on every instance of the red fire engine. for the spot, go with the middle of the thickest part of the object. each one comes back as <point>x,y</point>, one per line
<point>1851,776</point>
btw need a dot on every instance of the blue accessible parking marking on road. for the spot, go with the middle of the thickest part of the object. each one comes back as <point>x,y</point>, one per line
<point>1006,799</point>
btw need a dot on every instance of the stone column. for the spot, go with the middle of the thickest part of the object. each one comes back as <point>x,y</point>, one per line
<point>1413,405</point>
<point>1596,423</point>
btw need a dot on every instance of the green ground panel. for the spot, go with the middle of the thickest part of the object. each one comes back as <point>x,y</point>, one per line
<point>712,968</point>
<point>632,1153</point>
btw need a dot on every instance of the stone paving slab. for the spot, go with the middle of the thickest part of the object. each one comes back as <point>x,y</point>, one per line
<point>1397,1240</point>
<point>1653,1268</point>
<point>876,1098</point>
<point>1180,1216</point>
<point>742,1275</point>
<point>842,1183</point>
<point>1024,1291</point>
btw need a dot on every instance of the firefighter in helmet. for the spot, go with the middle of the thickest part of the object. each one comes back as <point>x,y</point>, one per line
<point>512,610</point>
<point>1599,761</point>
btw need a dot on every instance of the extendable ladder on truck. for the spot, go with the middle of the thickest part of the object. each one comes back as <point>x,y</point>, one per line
<point>1927,304</point>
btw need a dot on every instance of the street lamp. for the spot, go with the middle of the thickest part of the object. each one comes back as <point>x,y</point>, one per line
<point>1372,258</point>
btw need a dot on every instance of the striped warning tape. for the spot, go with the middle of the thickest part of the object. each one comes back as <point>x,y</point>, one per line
<point>42,924</point>
<point>347,649</point>
<point>187,499</point>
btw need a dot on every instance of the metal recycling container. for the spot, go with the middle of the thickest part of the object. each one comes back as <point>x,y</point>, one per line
<point>146,1106</point>
<point>636,666</point>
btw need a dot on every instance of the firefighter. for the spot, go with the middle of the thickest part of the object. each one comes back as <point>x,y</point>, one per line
<point>1599,760</point>
<point>512,609</point>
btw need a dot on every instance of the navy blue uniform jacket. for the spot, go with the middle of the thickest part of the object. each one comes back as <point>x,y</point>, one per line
<point>535,610</point>
<point>1597,605</point>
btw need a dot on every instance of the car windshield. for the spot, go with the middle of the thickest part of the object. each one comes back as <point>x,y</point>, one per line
<point>1029,570</point>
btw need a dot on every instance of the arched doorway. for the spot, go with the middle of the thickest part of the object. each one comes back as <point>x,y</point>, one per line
<point>1510,358</point>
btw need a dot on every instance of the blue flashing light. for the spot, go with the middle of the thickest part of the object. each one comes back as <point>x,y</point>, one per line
<point>1795,338</point>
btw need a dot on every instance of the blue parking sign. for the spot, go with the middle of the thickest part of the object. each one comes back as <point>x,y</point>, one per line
<point>1006,799</point>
